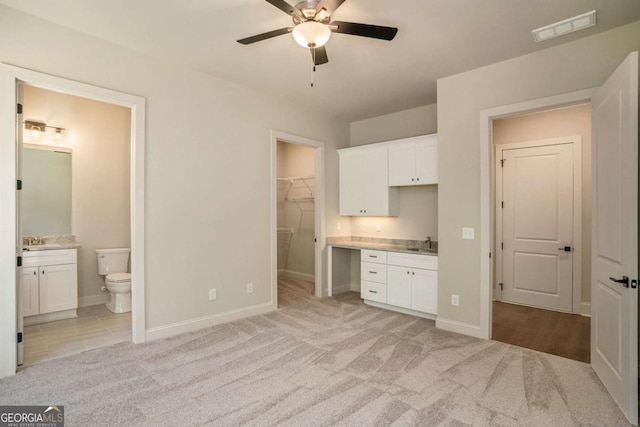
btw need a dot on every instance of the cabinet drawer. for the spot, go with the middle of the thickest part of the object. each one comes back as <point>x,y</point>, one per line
<point>379,257</point>
<point>428,262</point>
<point>373,291</point>
<point>372,272</point>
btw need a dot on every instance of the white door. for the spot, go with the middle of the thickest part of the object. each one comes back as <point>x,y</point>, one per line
<point>428,162</point>
<point>402,165</point>
<point>351,193</point>
<point>537,226</point>
<point>614,306</point>
<point>19,304</point>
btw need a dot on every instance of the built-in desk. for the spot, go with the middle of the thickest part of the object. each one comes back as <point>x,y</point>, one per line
<point>400,275</point>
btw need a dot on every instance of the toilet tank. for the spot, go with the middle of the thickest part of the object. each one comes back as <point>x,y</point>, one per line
<point>114,260</point>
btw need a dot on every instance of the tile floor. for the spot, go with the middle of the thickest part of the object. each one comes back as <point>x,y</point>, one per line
<point>94,327</point>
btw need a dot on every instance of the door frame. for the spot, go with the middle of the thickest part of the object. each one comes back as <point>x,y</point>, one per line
<point>487,194</point>
<point>319,218</point>
<point>9,77</point>
<point>576,141</point>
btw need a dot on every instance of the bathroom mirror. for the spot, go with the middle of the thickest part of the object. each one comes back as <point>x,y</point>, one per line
<point>46,191</point>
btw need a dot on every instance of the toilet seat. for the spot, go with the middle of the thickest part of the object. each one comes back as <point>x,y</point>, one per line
<point>118,278</point>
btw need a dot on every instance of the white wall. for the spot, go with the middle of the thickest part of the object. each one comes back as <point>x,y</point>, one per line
<point>573,66</point>
<point>207,166</point>
<point>100,136</point>
<point>297,161</point>
<point>556,123</point>
<point>418,206</point>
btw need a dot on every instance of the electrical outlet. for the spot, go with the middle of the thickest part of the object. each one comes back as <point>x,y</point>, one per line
<point>249,288</point>
<point>455,300</point>
<point>212,294</point>
<point>378,227</point>
<point>468,233</point>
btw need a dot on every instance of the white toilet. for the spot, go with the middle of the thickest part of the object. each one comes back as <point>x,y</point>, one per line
<point>113,263</point>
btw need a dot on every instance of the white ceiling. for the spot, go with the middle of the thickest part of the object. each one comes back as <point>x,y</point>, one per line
<point>364,77</point>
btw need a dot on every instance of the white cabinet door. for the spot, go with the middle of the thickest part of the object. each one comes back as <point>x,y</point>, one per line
<point>364,183</point>
<point>427,156</point>
<point>424,295</point>
<point>414,161</point>
<point>399,286</point>
<point>402,165</point>
<point>351,184</point>
<point>30,292</point>
<point>58,288</point>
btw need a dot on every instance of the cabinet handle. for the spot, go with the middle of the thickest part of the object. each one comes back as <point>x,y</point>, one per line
<point>417,179</point>
<point>373,272</point>
<point>42,271</point>
<point>413,179</point>
<point>373,256</point>
<point>407,272</point>
<point>373,292</point>
<point>413,273</point>
<point>35,273</point>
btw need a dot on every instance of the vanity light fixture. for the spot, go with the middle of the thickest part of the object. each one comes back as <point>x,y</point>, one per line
<point>36,127</point>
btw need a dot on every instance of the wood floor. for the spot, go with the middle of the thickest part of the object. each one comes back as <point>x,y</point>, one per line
<point>562,334</point>
<point>94,327</point>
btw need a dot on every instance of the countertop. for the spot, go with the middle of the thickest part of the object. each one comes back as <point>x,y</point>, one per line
<point>378,244</point>
<point>50,246</point>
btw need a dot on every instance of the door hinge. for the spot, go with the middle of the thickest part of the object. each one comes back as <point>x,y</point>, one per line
<point>19,337</point>
<point>19,109</point>
<point>19,261</point>
<point>19,184</point>
<point>501,286</point>
<point>502,161</point>
<point>502,245</point>
<point>489,254</point>
<point>634,284</point>
<point>315,240</point>
<point>502,203</point>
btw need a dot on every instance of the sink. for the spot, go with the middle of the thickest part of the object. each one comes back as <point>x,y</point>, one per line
<point>420,250</point>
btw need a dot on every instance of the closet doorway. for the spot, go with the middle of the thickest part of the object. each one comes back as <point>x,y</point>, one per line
<point>297,211</point>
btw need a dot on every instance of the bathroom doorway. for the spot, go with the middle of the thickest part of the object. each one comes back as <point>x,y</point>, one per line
<point>12,118</point>
<point>75,200</point>
<point>297,215</point>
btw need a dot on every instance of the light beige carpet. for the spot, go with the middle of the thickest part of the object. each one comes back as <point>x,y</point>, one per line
<point>317,362</point>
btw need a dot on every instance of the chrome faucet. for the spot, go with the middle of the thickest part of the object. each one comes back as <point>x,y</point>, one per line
<point>428,242</point>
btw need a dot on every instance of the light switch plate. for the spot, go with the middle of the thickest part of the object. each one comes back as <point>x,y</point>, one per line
<point>468,233</point>
<point>378,227</point>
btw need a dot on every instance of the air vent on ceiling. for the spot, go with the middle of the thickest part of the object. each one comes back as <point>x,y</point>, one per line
<point>567,26</point>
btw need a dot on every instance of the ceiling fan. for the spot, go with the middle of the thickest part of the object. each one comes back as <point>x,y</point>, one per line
<point>313,27</point>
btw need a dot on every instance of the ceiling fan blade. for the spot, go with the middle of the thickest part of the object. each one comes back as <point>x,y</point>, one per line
<point>330,5</point>
<point>285,7</point>
<point>364,30</point>
<point>320,55</point>
<point>264,36</point>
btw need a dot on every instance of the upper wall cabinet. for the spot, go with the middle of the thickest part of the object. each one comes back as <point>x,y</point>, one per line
<point>364,182</point>
<point>413,161</point>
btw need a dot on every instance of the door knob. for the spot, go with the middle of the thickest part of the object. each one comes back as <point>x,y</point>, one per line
<point>624,281</point>
<point>565,248</point>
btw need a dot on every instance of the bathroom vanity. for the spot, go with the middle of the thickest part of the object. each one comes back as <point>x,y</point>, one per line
<point>49,284</point>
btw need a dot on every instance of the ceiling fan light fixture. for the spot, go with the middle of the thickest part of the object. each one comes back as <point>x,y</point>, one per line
<point>311,34</point>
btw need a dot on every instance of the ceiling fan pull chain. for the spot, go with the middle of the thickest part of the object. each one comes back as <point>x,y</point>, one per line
<point>313,53</point>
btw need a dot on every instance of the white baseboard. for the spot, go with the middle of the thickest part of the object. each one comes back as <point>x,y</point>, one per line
<point>585,309</point>
<point>300,276</point>
<point>460,327</point>
<point>400,309</point>
<point>206,321</point>
<point>345,287</point>
<point>102,298</point>
<point>50,317</point>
